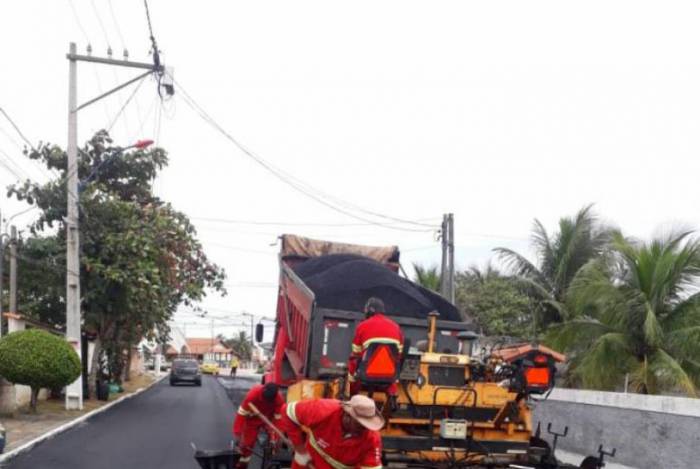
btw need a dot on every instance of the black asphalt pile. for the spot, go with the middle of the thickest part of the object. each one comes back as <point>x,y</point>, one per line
<point>346,281</point>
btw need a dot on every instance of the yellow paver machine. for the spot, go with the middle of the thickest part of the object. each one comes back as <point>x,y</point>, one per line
<point>456,406</point>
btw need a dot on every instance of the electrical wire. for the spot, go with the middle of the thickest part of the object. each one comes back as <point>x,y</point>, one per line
<point>126,103</point>
<point>284,223</point>
<point>116,24</point>
<point>297,184</point>
<point>237,248</point>
<point>78,22</point>
<point>102,26</point>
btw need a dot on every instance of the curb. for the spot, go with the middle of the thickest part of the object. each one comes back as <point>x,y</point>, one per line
<point>67,426</point>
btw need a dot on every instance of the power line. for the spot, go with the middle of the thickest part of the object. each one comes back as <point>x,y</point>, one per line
<point>116,24</point>
<point>237,248</point>
<point>284,223</point>
<point>17,129</point>
<point>102,26</point>
<point>126,103</point>
<point>299,185</point>
<point>77,20</point>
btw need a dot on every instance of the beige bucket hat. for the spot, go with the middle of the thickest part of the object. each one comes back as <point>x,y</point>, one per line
<point>364,410</point>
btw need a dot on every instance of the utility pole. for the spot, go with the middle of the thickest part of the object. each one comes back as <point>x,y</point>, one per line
<point>13,269</point>
<point>2,273</point>
<point>74,391</point>
<point>451,257</point>
<point>447,270</point>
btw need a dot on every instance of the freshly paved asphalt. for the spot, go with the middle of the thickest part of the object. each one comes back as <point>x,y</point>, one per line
<point>153,430</point>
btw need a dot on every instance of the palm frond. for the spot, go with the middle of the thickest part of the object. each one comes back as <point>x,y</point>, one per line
<point>606,362</point>
<point>653,333</point>
<point>669,374</point>
<point>684,314</point>
<point>428,277</point>
<point>577,334</point>
<point>684,343</point>
<point>520,266</point>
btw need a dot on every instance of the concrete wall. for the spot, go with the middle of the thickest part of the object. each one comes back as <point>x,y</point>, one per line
<point>649,432</point>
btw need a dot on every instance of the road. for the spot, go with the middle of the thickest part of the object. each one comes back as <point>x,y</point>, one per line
<point>150,431</point>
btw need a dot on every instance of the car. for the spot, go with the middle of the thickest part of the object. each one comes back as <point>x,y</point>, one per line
<point>209,368</point>
<point>185,371</point>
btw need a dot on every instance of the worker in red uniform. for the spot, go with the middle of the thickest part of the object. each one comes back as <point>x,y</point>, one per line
<point>247,424</point>
<point>376,328</point>
<point>334,435</point>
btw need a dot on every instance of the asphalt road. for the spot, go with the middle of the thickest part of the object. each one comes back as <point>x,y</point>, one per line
<point>150,431</point>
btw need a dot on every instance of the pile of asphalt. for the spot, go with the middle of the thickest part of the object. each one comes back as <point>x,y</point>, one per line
<point>346,281</point>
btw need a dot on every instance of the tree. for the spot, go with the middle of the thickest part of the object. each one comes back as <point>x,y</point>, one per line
<point>240,345</point>
<point>41,279</point>
<point>39,360</point>
<point>427,277</point>
<point>559,258</point>
<point>140,258</point>
<point>636,316</point>
<point>495,302</point>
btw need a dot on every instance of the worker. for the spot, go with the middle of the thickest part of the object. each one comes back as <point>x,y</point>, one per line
<point>234,366</point>
<point>376,328</point>
<point>267,399</point>
<point>332,434</point>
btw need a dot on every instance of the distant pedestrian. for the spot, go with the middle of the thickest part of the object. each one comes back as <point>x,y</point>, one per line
<point>234,366</point>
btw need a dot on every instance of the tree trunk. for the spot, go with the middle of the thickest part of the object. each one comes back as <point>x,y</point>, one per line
<point>34,399</point>
<point>94,367</point>
<point>127,370</point>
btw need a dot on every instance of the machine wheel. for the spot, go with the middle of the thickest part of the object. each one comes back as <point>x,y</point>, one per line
<point>172,383</point>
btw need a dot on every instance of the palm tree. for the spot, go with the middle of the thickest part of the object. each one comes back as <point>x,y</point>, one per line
<point>427,277</point>
<point>240,345</point>
<point>559,258</point>
<point>635,317</point>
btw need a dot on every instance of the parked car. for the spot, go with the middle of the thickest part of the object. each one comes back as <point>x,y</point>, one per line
<point>210,368</point>
<point>185,371</point>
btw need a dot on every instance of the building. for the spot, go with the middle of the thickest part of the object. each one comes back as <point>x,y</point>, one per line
<point>210,349</point>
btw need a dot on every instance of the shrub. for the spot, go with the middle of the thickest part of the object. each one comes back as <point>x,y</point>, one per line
<point>39,360</point>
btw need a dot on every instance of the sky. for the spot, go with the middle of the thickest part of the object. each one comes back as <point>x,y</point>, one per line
<point>498,112</point>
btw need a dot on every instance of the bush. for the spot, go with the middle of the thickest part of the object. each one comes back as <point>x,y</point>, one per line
<point>39,360</point>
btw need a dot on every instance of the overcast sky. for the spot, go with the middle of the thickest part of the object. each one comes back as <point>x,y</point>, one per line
<point>499,112</point>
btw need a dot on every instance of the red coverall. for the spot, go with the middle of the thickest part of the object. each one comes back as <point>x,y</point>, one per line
<point>375,329</point>
<point>329,448</point>
<point>246,425</point>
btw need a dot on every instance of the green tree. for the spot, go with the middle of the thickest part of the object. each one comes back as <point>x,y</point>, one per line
<point>428,277</point>
<point>495,302</point>
<point>559,258</point>
<point>240,345</point>
<point>635,316</point>
<point>39,360</point>
<point>140,258</point>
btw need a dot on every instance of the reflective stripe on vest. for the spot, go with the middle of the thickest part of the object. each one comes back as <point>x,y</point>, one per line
<point>323,454</point>
<point>291,412</point>
<point>243,412</point>
<point>381,340</point>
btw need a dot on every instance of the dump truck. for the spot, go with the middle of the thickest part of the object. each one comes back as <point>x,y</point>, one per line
<point>456,406</point>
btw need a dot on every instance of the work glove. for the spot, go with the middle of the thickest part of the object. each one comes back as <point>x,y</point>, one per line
<point>301,456</point>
